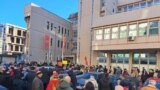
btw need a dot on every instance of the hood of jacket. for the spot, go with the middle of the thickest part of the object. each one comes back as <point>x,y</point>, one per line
<point>64,86</point>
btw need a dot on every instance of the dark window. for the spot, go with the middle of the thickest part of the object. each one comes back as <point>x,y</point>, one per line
<point>21,49</point>
<point>47,25</point>
<point>24,33</point>
<point>23,40</point>
<point>58,44</point>
<point>61,44</point>
<point>59,29</point>
<point>51,26</point>
<point>19,32</point>
<point>65,31</point>
<point>16,48</point>
<point>12,39</point>
<point>18,40</point>
<point>68,32</point>
<point>113,10</point>
<point>11,30</point>
<point>11,47</point>
<point>62,30</point>
<point>67,45</point>
<point>51,41</point>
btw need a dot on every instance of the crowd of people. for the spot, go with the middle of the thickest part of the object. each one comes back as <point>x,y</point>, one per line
<point>33,76</point>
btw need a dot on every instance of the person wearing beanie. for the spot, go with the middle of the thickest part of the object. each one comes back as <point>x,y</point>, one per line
<point>150,86</point>
<point>54,81</point>
<point>37,84</point>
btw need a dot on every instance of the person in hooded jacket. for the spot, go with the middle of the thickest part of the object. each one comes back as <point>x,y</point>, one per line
<point>65,84</point>
<point>93,81</point>
<point>104,83</point>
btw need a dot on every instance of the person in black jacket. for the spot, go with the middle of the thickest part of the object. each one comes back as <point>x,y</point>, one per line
<point>104,82</point>
<point>29,77</point>
<point>73,78</point>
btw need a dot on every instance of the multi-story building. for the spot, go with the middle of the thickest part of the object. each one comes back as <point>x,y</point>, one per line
<point>48,35</point>
<point>124,32</point>
<point>74,19</point>
<point>12,43</point>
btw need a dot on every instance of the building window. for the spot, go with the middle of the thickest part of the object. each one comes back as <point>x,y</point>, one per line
<point>16,48</point>
<point>135,58</point>
<point>19,32</point>
<point>107,33</point>
<point>12,39</point>
<point>136,5</point>
<point>132,30</point>
<point>65,31</point>
<point>150,3</point>
<point>114,32</point>
<point>47,25</point>
<point>62,30</point>
<point>11,47</point>
<point>18,40</point>
<point>59,29</point>
<point>58,43</point>
<point>157,1</point>
<point>130,7</point>
<point>68,32</point>
<point>51,26</point>
<point>143,4</point>
<point>143,58</point>
<point>75,33</point>
<point>153,28</point>
<point>142,29</point>
<point>11,30</point>
<point>102,3</point>
<point>61,44</point>
<point>67,45</point>
<point>152,58</point>
<point>125,8</point>
<point>99,34</point>
<point>51,41</point>
<point>123,31</point>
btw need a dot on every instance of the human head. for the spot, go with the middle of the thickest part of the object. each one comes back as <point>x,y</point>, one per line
<point>67,79</point>
<point>118,82</point>
<point>39,74</point>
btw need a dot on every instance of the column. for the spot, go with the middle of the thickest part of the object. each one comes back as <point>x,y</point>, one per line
<point>158,59</point>
<point>130,61</point>
<point>108,59</point>
<point>94,60</point>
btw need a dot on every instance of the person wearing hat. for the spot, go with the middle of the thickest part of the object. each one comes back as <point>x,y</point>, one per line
<point>150,86</point>
<point>37,84</point>
<point>54,81</point>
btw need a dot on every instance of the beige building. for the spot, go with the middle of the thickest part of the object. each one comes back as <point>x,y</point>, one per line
<point>13,43</point>
<point>121,33</point>
<point>43,25</point>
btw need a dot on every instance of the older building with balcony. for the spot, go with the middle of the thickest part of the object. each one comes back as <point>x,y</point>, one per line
<point>13,43</point>
<point>123,33</point>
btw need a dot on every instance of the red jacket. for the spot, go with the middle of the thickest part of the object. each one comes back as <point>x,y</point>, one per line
<point>53,83</point>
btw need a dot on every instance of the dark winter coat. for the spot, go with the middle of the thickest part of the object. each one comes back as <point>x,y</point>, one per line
<point>73,79</point>
<point>29,78</point>
<point>104,83</point>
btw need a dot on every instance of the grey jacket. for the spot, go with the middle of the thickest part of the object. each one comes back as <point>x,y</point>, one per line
<point>37,84</point>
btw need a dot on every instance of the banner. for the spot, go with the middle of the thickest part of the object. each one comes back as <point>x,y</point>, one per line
<point>46,41</point>
<point>85,60</point>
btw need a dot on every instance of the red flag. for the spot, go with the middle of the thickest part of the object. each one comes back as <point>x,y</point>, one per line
<point>46,41</point>
<point>86,61</point>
